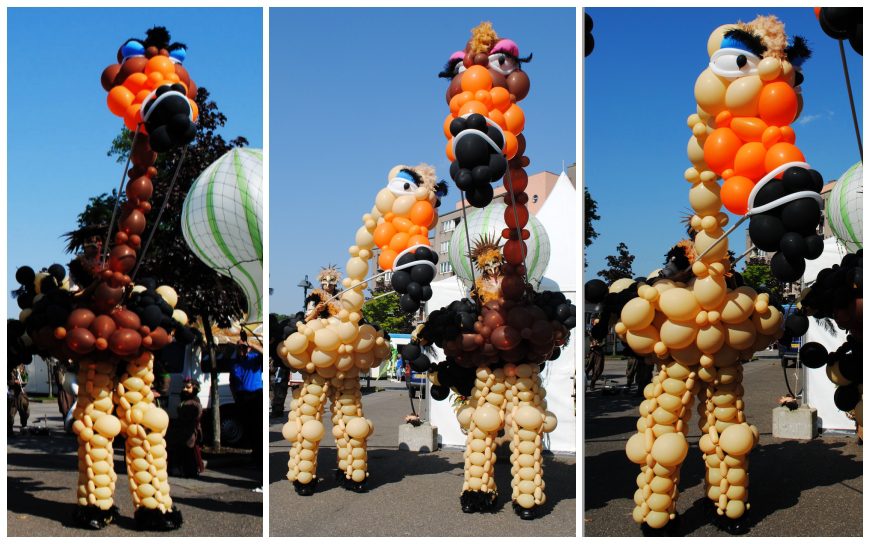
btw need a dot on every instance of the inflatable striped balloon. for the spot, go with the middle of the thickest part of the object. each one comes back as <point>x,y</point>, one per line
<point>222,222</point>
<point>491,220</point>
<point>844,208</point>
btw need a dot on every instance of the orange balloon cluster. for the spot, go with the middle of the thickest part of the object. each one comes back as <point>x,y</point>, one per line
<point>398,232</point>
<point>742,150</point>
<point>126,100</point>
<point>479,96</point>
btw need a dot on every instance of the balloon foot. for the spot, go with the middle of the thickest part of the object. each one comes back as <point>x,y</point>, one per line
<point>739,526</point>
<point>305,490</point>
<point>527,513</point>
<point>478,501</point>
<point>672,528</point>
<point>152,519</point>
<point>92,517</point>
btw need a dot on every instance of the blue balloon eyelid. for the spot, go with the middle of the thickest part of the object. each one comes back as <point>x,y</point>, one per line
<point>178,54</point>
<point>731,43</point>
<point>132,49</point>
<point>406,176</point>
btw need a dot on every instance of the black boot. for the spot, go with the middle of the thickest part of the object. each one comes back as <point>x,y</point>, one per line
<point>527,513</point>
<point>152,519</point>
<point>477,501</point>
<point>672,528</point>
<point>305,490</point>
<point>356,487</point>
<point>739,526</point>
<point>92,517</point>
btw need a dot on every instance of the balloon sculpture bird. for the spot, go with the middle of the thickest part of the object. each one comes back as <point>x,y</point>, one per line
<point>497,341</point>
<point>331,348</point>
<point>694,315</point>
<point>111,327</point>
<point>222,222</point>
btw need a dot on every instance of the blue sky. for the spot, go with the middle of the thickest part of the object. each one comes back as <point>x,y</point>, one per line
<point>355,91</point>
<point>59,127</point>
<point>638,92</point>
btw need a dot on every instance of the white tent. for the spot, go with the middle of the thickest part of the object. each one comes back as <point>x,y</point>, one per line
<point>818,389</point>
<point>559,217</point>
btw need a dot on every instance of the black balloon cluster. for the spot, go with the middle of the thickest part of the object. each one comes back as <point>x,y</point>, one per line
<point>478,164</point>
<point>845,367</point>
<point>588,39</point>
<point>154,311</point>
<point>789,229</point>
<point>558,307</point>
<point>452,376</point>
<point>837,287</point>
<point>49,305</point>
<point>449,322</point>
<point>844,24</point>
<point>280,329</point>
<point>169,123</point>
<point>414,282</point>
<point>413,354</point>
<point>608,305</point>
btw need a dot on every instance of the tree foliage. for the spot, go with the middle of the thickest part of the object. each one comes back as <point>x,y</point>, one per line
<point>386,314</point>
<point>757,275</point>
<point>169,260</point>
<point>590,214</point>
<point>619,265</point>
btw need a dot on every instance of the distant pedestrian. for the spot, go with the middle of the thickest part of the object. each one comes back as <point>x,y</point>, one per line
<point>186,447</point>
<point>162,384</point>
<point>246,384</point>
<point>594,362</point>
<point>17,397</point>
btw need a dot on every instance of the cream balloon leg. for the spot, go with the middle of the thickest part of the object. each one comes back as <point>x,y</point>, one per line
<point>96,428</point>
<point>529,421</point>
<point>305,430</point>
<point>351,432</point>
<point>660,445</point>
<point>479,491</point>
<point>726,443</point>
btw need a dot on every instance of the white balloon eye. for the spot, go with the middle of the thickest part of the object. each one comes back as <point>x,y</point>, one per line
<point>458,68</point>
<point>503,63</point>
<point>734,63</point>
<point>402,185</point>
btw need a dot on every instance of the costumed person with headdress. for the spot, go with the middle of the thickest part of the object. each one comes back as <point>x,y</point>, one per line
<point>320,303</point>
<point>185,454</point>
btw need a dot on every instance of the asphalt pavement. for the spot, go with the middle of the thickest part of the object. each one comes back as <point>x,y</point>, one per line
<point>42,475</point>
<point>797,487</point>
<point>410,494</point>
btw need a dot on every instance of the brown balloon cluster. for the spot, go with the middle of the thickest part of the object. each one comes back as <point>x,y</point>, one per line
<point>507,331</point>
<point>701,329</point>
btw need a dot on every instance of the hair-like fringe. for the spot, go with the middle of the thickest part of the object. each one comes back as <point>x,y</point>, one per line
<point>751,41</point>
<point>449,66</point>
<point>798,51</point>
<point>157,36</point>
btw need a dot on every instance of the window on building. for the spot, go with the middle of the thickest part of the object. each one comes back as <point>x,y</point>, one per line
<point>445,246</point>
<point>445,267</point>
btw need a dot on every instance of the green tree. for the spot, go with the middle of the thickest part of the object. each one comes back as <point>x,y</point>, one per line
<point>619,265</point>
<point>590,214</point>
<point>383,310</point>
<point>757,275</point>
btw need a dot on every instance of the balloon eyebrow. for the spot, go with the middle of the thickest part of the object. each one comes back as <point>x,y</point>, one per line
<point>418,181</point>
<point>751,41</point>
<point>447,71</point>
<point>175,46</point>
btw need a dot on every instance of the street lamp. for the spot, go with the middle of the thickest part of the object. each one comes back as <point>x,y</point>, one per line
<point>305,285</point>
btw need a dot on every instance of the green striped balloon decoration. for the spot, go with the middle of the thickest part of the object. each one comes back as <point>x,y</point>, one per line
<point>491,220</point>
<point>222,222</point>
<point>844,208</point>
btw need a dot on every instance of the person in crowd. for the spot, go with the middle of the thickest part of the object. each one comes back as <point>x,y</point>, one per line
<point>186,447</point>
<point>17,400</point>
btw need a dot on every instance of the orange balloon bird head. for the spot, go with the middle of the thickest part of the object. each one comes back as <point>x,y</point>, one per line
<point>747,98</point>
<point>408,206</point>
<point>150,72</point>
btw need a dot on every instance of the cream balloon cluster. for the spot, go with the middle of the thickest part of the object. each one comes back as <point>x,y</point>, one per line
<point>331,352</point>
<point>144,425</point>
<point>701,331</point>
<point>509,398</point>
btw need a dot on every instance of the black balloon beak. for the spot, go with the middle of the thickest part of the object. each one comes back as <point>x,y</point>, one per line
<point>798,78</point>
